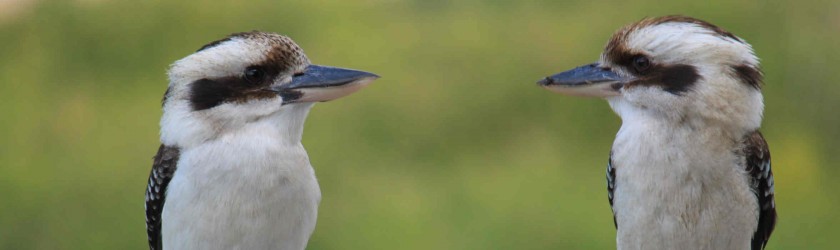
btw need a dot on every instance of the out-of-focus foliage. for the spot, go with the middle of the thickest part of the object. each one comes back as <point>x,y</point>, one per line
<point>455,147</point>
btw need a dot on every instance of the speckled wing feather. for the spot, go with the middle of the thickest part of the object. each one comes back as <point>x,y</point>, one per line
<point>611,186</point>
<point>164,167</point>
<point>757,159</point>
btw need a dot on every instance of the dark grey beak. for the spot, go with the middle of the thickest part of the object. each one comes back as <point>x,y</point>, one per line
<point>588,80</point>
<point>322,83</point>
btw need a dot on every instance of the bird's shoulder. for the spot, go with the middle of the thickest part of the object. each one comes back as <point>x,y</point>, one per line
<point>164,165</point>
<point>757,165</point>
<point>611,186</point>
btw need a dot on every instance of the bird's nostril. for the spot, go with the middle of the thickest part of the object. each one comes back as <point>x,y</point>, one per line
<point>297,74</point>
<point>545,81</point>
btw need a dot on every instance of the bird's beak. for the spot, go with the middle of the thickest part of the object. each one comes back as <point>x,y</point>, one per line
<point>322,83</point>
<point>590,80</point>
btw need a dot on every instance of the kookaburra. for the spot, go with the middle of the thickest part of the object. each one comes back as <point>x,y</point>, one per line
<point>231,172</point>
<point>688,168</point>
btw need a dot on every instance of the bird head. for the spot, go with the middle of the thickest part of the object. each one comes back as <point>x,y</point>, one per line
<point>673,67</point>
<point>244,78</point>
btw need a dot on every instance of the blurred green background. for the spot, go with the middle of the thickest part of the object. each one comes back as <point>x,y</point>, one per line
<point>455,147</point>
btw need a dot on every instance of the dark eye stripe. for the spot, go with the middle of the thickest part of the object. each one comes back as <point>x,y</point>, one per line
<point>209,93</point>
<point>678,78</point>
<point>206,93</point>
<point>749,75</point>
<point>675,79</point>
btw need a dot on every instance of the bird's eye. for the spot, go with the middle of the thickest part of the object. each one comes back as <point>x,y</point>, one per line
<point>641,64</point>
<point>254,74</point>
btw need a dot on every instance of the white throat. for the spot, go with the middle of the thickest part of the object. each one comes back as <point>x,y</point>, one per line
<point>182,127</point>
<point>678,180</point>
<point>261,174</point>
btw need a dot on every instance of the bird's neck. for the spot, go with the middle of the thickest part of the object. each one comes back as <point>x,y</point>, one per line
<point>679,179</point>
<point>669,138</point>
<point>673,142</point>
<point>677,123</point>
<point>288,122</point>
<point>187,130</point>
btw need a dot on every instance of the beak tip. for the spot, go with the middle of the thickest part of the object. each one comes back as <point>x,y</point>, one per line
<point>367,76</point>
